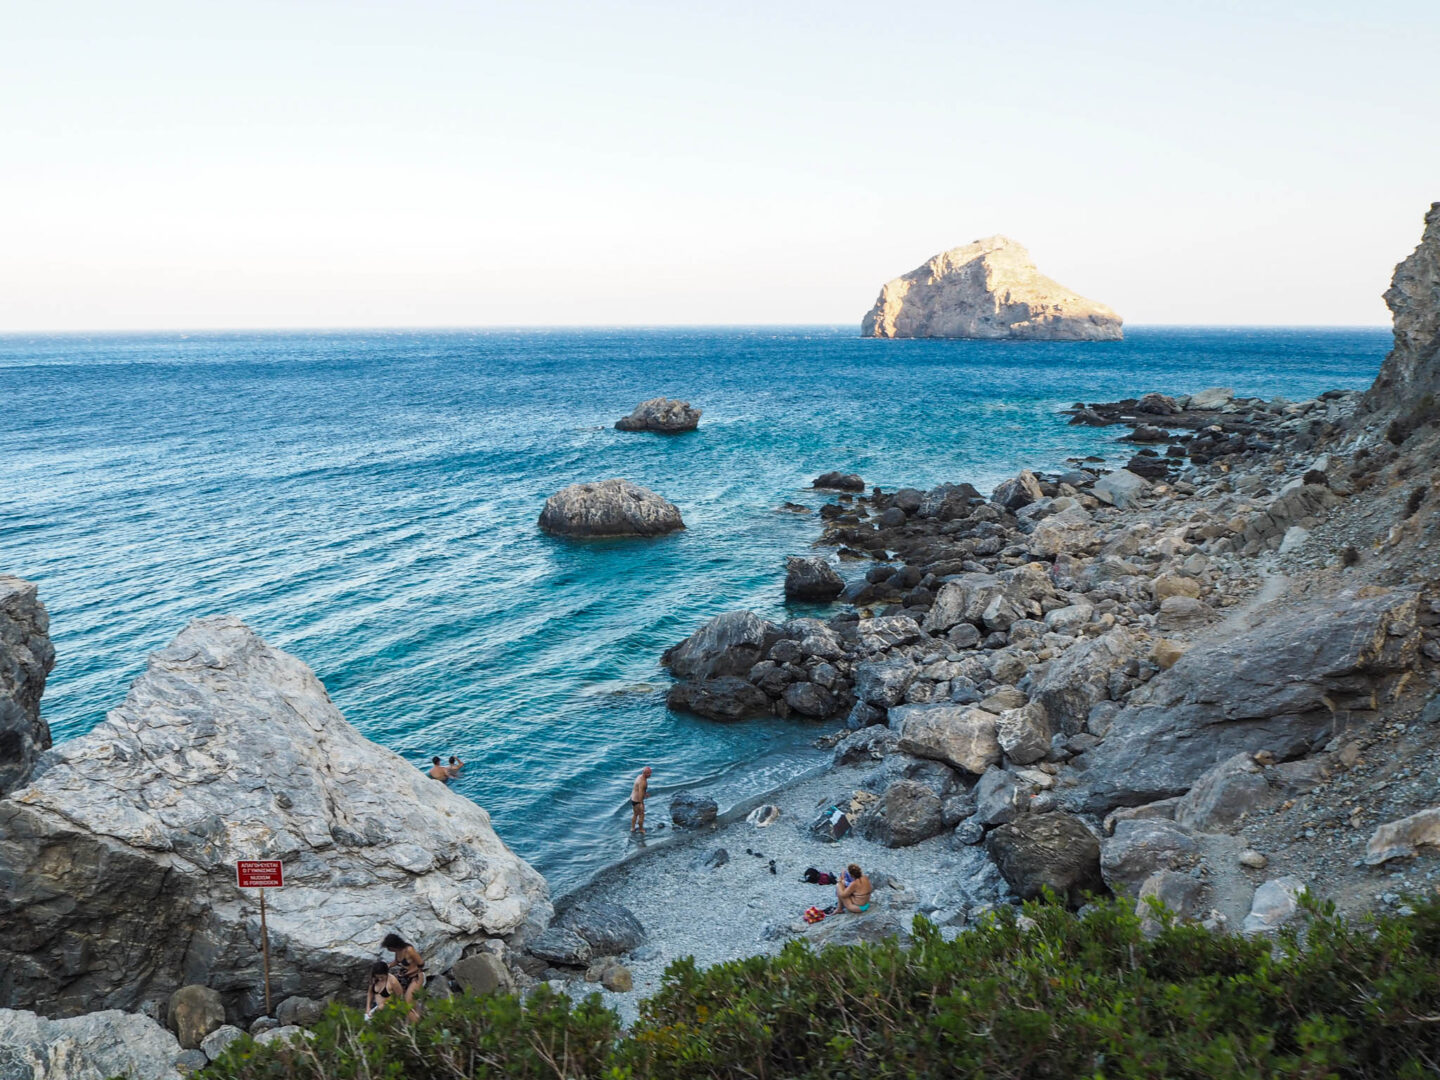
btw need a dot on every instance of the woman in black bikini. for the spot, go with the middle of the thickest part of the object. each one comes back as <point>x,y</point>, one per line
<point>383,986</point>
<point>408,968</point>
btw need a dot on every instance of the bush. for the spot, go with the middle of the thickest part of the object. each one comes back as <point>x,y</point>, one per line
<point>1052,995</point>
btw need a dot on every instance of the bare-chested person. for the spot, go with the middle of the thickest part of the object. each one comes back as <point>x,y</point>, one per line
<point>637,800</point>
<point>853,890</point>
<point>439,771</point>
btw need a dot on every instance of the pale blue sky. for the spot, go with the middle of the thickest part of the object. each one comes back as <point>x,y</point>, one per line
<point>231,164</point>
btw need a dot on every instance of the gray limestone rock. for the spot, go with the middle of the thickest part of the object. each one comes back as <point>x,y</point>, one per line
<point>298,1011</point>
<point>215,1043</point>
<point>1224,795</point>
<point>1141,847</point>
<point>1121,488</point>
<point>1404,838</point>
<point>986,289</point>
<point>1278,687</point>
<point>907,813</point>
<point>1019,491</point>
<point>194,1012</point>
<point>117,863</point>
<point>1056,850</point>
<point>26,657</point>
<point>1024,733</point>
<point>728,644</point>
<point>959,735</point>
<point>1080,678</point>
<point>609,508</point>
<point>811,579</point>
<point>691,811</point>
<point>1412,369</point>
<point>1275,903</point>
<point>665,415</point>
<point>610,929</point>
<point>883,683</point>
<point>95,1046</point>
<point>483,973</point>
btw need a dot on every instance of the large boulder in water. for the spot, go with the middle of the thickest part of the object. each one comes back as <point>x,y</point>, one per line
<point>26,657</point>
<point>609,508</point>
<point>117,861</point>
<point>728,644</point>
<point>665,415</point>
<point>811,579</point>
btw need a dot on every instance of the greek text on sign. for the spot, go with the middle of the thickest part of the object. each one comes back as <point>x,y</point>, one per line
<point>259,874</point>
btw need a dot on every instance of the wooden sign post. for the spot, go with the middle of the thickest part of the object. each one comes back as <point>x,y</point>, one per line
<point>261,874</point>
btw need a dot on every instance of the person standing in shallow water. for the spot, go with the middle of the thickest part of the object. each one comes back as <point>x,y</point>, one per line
<point>637,800</point>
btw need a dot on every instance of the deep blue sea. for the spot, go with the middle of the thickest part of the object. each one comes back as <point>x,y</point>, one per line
<point>367,501</point>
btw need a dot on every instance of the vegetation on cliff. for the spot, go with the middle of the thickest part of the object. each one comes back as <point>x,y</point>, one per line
<point>1043,994</point>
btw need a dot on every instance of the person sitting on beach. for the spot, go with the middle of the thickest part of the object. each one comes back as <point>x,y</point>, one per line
<point>454,767</point>
<point>637,800</point>
<point>439,771</point>
<point>408,967</point>
<point>383,986</point>
<point>853,890</point>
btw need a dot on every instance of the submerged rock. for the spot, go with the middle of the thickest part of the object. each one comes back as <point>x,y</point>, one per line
<point>26,657</point>
<point>609,508</point>
<point>226,749</point>
<point>988,289</point>
<point>838,481</point>
<point>661,414</point>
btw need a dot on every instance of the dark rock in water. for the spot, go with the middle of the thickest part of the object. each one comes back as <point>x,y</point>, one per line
<point>1147,433</point>
<point>1277,687</point>
<point>26,657</point>
<point>907,813</point>
<point>729,644</point>
<point>838,481</point>
<point>611,929</point>
<point>908,499</point>
<point>892,518</point>
<point>727,698</point>
<point>811,579</point>
<point>691,811</point>
<point>1048,850</point>
<point>609,508</point>
<point>1023,490</point>
<point>1157,405</point>
<point>665,415</point>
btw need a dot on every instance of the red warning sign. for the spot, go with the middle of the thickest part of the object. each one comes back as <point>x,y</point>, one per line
<point>259,874</point>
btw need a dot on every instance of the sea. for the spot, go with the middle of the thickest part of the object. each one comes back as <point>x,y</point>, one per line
<point>367,500</point>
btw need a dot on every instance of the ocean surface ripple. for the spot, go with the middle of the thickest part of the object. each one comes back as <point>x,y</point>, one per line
<point>367,501</point>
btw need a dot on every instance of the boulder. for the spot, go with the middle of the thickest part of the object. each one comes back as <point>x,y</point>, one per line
<point>560,945</point>
<point>1277,686</point>
<point>483,973</point>
<point>194,1012</point>
<point>691,811</point>
<point>609,508</point>
<point>959,735</point>
<point>90,1047</point>
<point>1223,795</point>
<point>227,748</point>
<point>665,415</point>
<point>1404,838</point>
<point>1183,613</point>
<point>811,579</point>
<point>610,929</point>
<point>1410,371</point>
<point>1140,847</point>
<point>883,683</point>
<point>868,928</point>
<point>725,698</point>
<point>1217,397</point>
<point>1024,734</point>
<point>1173,585</point>
<point>935,775</point>
<point>1080,677</point>
<point>838,481</point>
<point>1121,488</point>
<point>886,632</point>
<point>1021,490</point>
<point>809,699</point>
<point>283,1034</point>
<point>728,644</point>
<point>26,657</point>
<point>617,979</point>
<point>299,1011</point>
<point>868,744</point>
<point>907,813</point>
<point>986,289</point>
<point>1180,894</point>
<point>1001,796</point>
<point>215,1043</point>
<point>1275,903</point>
<point>1055,851</point>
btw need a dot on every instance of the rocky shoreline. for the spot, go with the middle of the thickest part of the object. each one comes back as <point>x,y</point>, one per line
<point>1211,678</point>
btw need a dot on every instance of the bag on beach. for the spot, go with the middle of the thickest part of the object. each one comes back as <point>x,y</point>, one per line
<point>813,915</point>
<point>813,876</point>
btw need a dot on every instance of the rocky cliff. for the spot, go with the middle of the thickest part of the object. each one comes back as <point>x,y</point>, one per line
<point>26,657</point>
<point>117,875</point>
<point>1412,369</point>
<point>988,289</point>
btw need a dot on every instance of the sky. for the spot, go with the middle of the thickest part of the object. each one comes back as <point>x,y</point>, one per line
<point>425,163</point>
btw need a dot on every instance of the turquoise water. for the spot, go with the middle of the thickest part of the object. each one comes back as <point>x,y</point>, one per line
<point>367,500</point>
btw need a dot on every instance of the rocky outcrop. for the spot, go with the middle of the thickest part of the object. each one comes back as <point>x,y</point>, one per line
<point>1048,851</point>
<point>838,481</point>
<point>117,861</point>
<point>1281,687</point>
<point>665,415</point>
<point>811,579</point>
<point>988,289</point>
<point>609,508</point>
<point>26,657</point>
<point>1412,369</point>
<point>95,1046</point>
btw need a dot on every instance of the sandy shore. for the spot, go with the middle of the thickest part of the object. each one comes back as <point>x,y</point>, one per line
<point>741,909</point>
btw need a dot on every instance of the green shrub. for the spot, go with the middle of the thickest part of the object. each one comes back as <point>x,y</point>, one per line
<point>1054,995</point>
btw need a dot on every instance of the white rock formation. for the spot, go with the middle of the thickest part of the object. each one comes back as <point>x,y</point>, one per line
<point>661,414</point>
<point>988,289</point>
<point>609,508</point>
<point>95,1046</point>
<point>118,859</point>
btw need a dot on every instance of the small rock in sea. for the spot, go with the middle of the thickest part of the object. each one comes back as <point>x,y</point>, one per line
<point>665,415</point>
<point>609,508</point>
<point>838,481</point>
<point>811,579</point>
